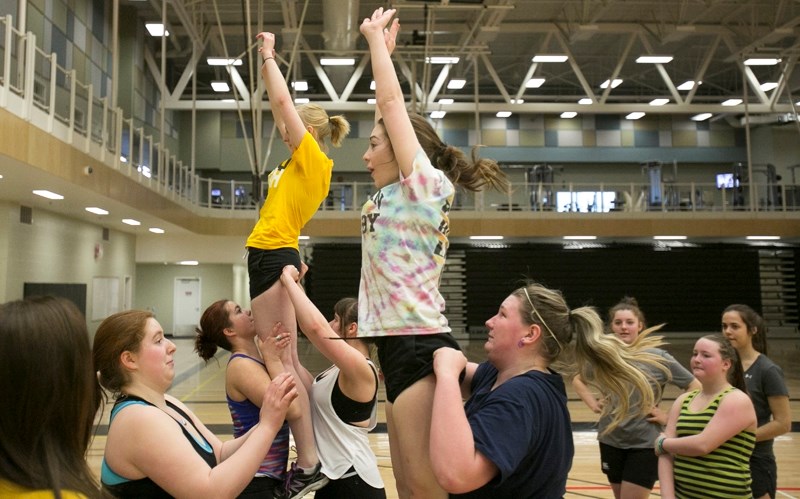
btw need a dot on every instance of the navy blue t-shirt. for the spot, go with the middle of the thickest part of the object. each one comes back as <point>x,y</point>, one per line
<point>524,428</point>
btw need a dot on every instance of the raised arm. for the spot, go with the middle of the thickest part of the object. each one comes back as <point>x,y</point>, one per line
<point>458,466</point>
<point>357,379</point>
<point>390,40</point>
<point>287,120</point>
<point>388,94</point>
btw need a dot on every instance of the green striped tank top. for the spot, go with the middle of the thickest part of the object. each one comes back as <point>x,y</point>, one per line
<point>725,472</point>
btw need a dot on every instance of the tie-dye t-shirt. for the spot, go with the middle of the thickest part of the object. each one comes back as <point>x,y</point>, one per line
<point>404,242</point>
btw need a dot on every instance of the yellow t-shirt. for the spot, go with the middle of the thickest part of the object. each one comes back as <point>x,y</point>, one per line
<point>10,490</point>
<point>296,189</point>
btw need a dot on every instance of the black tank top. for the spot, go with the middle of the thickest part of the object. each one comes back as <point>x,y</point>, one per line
<point>144,487</point>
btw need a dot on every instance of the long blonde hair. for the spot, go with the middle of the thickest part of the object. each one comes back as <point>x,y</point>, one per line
<point>602,361</point>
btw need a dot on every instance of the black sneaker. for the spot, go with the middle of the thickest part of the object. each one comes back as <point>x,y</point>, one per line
<point>298,484</point>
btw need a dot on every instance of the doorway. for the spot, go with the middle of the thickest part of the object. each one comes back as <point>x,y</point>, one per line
<point>186,313</point>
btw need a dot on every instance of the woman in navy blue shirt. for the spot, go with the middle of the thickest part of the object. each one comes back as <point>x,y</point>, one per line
<point>513,438</point>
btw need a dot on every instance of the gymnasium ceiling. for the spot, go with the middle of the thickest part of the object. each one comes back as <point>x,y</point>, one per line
<point>494,41</point>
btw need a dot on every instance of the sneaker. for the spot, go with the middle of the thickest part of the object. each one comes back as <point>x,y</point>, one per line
<point>298,484</point>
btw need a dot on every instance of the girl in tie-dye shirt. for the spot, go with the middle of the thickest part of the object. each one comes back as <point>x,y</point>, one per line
<point>404,228</point>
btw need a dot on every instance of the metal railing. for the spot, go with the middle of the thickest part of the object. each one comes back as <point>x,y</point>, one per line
<point>36,88</point>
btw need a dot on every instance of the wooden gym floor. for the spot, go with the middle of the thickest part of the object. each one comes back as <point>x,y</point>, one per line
<point>202,388</point>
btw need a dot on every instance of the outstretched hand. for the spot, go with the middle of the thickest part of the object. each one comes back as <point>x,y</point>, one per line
<point>448,362</point>
<point>278,396</point>
<point>273,346</point>
<point>376,24</point>
<point>290,274</point>
<point>390,35</point>
<point>267,48</point>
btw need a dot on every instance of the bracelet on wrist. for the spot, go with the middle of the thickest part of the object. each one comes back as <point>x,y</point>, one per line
<point>660,446</point>
<point>268,58</point>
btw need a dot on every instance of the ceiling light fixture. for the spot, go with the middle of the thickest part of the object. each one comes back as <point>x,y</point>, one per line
<point>569,115</point>
<point>188,262</point>
<point>585,101</point>
<point>303,238</point>
<point>517,101</point>
<point>770,85</point>
<point>156,230</point>
<point>579,238</point>
<point>221,61</point>
<point>763,238</point>
<point>371,100</point>
<point>761,61</point>
<point>635,115</point>
<point>302,85</point>
<point>337,61</point>
<point>669,238</point>
<point>47,194</point>
<point>442,60</point>
<point>446,102</point>
<point>96,210</point>
<point>220,86</point>
<point>614,83</point>
<point>732,102</point>
<point>503,114</point>
<point>156,29</point>
<point>437,115</point>
<point>689,84</point>
<point>456,84</point>
<point>549,58</point>
<point>654,59</point>
<point>534,83</point>
<point>486,238</point>
<point>372,85</point>
<point>131,221</point>
<point>302,100</point>
<point>701,116</point>
<point>659,102</point>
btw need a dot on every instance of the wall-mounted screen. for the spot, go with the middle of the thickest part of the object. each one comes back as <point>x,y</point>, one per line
<point>727,181</point>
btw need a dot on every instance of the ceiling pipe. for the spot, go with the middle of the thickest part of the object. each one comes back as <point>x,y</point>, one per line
<point>340,32</point>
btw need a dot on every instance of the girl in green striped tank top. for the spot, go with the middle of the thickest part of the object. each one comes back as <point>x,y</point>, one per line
<point>705,449</point>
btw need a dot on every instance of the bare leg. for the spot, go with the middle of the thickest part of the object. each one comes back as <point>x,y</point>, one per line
<point>628,490</point>
<point>409,437</point>
<point>394,452</point>
<point>271,306</point>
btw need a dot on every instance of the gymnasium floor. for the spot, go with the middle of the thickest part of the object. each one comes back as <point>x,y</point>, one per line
<point>201,387</point>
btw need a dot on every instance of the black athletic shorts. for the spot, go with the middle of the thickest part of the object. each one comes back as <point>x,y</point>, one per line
<point>265,267</point>
<point>407,359</point>
<point>261,487</point>
<point>636,466</point>
<point>350,486</point>
<point>764,471</point>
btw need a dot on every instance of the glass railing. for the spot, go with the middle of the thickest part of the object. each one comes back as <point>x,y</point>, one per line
<point>555,198</point>
<point>36,88</point>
